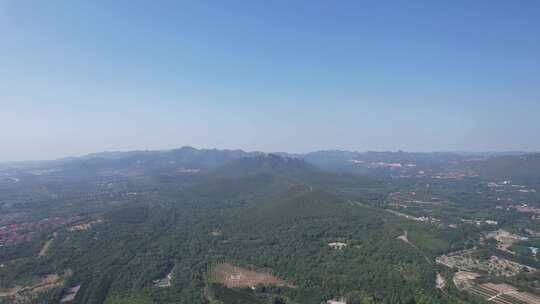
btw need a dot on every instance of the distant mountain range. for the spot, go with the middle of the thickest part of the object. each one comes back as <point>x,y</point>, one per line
<point>234,163</point>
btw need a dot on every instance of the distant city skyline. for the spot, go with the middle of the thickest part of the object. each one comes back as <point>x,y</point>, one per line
<point>292,76</point>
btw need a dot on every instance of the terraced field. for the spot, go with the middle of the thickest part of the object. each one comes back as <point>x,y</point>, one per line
<point>503,294</point>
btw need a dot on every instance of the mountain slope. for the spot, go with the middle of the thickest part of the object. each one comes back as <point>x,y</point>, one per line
<point>517,167</point>
<point>136,163</point>
<point>265,164</point>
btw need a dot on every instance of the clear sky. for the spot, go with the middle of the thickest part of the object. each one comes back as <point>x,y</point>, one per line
<point>87,76</point>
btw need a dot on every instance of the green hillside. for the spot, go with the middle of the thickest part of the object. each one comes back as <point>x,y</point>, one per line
<point>513,167</point>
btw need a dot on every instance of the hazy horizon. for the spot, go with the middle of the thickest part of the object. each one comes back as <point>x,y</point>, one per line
<point>86,77</point>
<point>268,152</point>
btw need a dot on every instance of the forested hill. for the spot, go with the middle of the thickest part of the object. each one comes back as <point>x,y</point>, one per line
<point>266,164</point>
<point>513,167</point>
<point>136,163</point>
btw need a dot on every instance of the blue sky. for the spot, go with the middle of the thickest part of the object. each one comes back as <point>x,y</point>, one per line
<point>86,76</point>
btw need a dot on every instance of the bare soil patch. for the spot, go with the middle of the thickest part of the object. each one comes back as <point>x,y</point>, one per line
<point>85,226</point>
<point>440,282</point>
<point>505,239</point>
<point>234,276</point>
<point>166,281</point>
<point>45,249</point>
<point>70,294</point>
<point>216,232</point>
<point>464,279</point>
<point>44,283</point>
<point>404,237</point>
<point>337,245</point>
<point>466,261</point>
